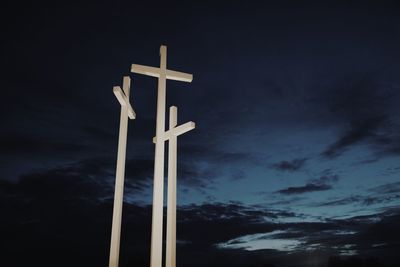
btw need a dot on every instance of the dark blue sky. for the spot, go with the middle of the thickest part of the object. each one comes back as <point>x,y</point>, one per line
<point>295,155</point>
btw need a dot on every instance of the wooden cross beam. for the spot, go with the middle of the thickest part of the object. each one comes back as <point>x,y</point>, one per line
<point>176,131</point>
<point>123,96</point>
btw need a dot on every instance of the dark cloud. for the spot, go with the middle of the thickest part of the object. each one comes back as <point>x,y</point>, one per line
<point>378,239</point>
<point>74,181</point>
<point>215,155</point>
<point>372,200</point>
<point>200,166</point>
<point>363,106</point>
<point>191,176</point>
<point>358,131</point>
<point>304,189</point>
<point>90,178</point>
<point>280,201</point>
<point>387,188</point>
<point>138,175</point>
<point>39,224</point>
<point>322,183</point>
<point>363,200</point>
<point>383,194</point>
<point>327,178</point>
<point>386,143</point>
<point>328,237</point>
<point>26,144</point>
<point>343,201</point>
<point>292,165</point>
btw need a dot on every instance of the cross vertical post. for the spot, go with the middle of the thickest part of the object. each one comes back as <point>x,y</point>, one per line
<point>171,194</point>
<point>126,111</point>
<point>158,186</point>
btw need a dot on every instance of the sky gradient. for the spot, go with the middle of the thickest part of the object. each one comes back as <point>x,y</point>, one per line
<point>294,160</point>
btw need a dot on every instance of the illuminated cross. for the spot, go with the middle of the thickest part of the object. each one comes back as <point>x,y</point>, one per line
<point>126,111</point>
<point>162,73</point>
<point>172,135</point>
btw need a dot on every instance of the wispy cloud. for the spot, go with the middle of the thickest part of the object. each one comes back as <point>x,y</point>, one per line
<point>342,201</point>
<point>322,183</point>
<point>262,241</point>
<point>305,189</point>
<point>357,132</point>
<point>384,194</point>
<point>293,165</point>
<point>387,188</point>
<point>361,105</point>
<point>230,226</point>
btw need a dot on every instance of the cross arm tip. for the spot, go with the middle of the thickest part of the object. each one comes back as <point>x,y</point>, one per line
<point>119,95</point>
<point>131,113</point>
<point>124,101</point>
<point>145,70</point>
<point>163,49</point>
<point>179,76</point>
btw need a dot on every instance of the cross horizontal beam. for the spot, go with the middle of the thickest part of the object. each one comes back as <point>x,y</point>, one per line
<point>124,101</point>
<point>156,72</point>
<point>181,129</point>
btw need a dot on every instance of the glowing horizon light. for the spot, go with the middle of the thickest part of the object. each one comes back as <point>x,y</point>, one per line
<point>262,241</point>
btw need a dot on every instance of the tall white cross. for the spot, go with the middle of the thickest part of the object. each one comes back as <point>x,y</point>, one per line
<point>172,135</point>
<point>126,111</point>
<point>162,73</point>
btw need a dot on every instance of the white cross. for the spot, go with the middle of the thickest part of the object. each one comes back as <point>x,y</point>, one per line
<point>126,110</point>
<point>172,135</point>
<point>162,73</point>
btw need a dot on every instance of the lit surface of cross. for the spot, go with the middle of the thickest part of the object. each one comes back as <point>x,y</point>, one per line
<point>162,73</point>
<point>126,111</point>
<point>172,135</point>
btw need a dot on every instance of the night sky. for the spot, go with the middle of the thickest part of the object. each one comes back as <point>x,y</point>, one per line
<point>294,160</point>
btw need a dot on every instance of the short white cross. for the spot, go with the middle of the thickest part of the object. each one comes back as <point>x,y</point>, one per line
<point>172,135</point>
<point>126,110</point>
